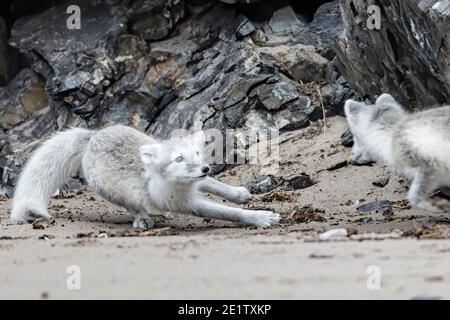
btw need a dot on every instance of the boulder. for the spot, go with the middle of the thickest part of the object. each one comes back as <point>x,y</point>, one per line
<point>26,117</point>
<point>301,181</point>
<point>408,57</point>
<point>301,62</point>
<point>72,60</point>
<point>264,184</point>
<point>154,19</point>
<point>21,98</point>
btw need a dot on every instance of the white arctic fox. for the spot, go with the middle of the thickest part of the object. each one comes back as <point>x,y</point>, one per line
<point>416,145</point>
<point>133,170</point>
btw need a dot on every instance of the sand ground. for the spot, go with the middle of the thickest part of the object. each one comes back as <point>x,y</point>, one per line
<point>190,258</point>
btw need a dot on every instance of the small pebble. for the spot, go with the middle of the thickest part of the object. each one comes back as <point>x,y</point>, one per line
<point>367,220</point>
<point>333,233</point>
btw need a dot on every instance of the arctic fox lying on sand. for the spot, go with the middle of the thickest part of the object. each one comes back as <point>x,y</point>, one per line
<point>415,145</point>
<point>133,170</point>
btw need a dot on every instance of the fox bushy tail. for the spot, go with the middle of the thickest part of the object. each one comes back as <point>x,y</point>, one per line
<point>47,169</point>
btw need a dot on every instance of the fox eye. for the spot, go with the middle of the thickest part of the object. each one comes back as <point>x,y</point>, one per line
<point>198,153</point>
<point>179,159</point>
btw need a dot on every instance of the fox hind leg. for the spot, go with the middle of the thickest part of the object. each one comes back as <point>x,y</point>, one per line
<point>422,186</point>
<point>23,214</point>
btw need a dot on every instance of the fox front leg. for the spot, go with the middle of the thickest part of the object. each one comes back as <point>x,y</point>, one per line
<point>259,218</point>
<point>235,194</point>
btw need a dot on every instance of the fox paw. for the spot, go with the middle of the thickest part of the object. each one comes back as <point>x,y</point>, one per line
<point>19,216</point>
<point>263,219</point>
<point>143,223</point>
<point>435,205</point>
<point>443,205</point>
<point>242,195</point>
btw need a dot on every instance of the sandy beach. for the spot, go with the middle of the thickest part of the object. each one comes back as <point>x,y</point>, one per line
<point>406,250</point>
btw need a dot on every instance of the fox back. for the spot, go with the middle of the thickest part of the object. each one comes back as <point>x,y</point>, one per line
<point>134,170</point>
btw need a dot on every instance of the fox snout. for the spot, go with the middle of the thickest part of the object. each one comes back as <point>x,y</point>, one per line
<point>195,171</point>
<point>205,169</point>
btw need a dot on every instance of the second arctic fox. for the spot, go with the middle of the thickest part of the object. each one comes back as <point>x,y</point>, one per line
<point>133,170</point>
<point>416,145</point>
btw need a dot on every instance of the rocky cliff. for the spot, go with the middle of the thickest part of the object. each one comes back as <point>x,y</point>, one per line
<point>162,65</point>
<point>409,56</point>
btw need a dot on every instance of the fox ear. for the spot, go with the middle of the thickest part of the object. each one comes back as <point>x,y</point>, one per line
<point>352,108</point>
<point>386,98</point>
<point>150,153</point>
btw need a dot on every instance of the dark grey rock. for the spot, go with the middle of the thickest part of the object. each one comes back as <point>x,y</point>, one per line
<point>245,27</point>
<point>264,184</point>
<point>339,165</point>
<point>336,91</point>
<point>382,182</point>
<point>73,57</point>
<point>274,96</point>
<point>379,205</point>
<point>347,139</point>
<point>163,65</point>
<point>301,181</point>
<point>24,96</point>
<point>154,20</point>
<point>408,57</point>
<point>238,88</point>
<point>443,192</point>
<point>358,164</point>
<point>287,27</point>
<point>26,117</point>
<point>285,21</point>
<point>301,62</point>
<point>325,28</point>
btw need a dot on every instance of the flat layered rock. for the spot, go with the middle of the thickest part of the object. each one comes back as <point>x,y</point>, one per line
<point>409,57</point>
